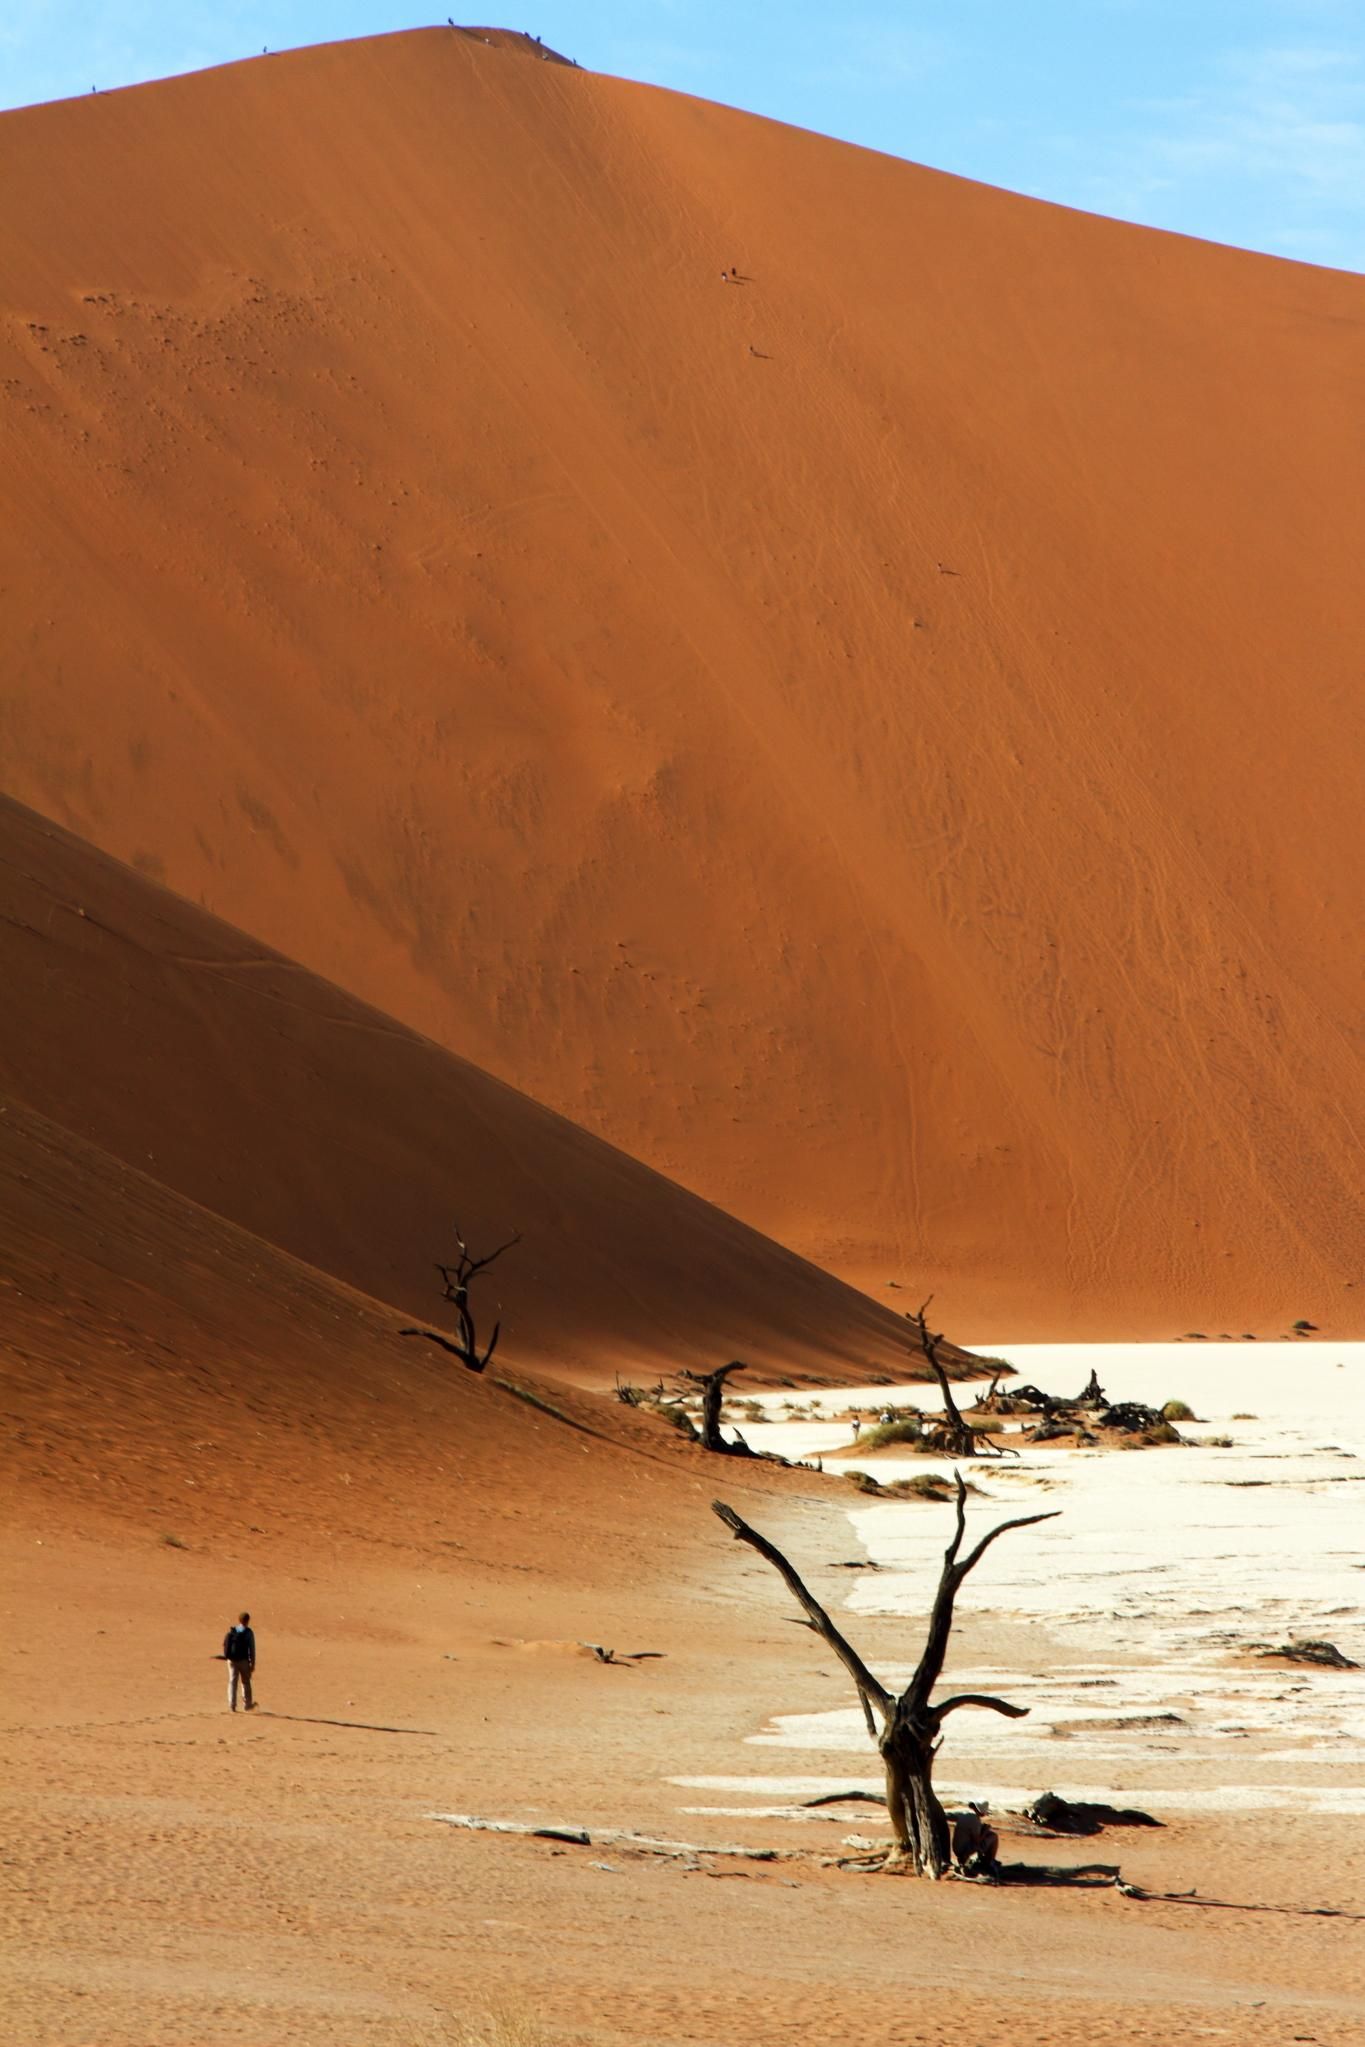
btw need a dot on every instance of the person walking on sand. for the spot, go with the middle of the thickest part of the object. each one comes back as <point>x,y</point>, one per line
<point>239,1653</point>
<point>857,1426</point>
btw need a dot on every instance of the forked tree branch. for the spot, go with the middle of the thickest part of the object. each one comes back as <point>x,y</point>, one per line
<point>719,1376</point>
<point>1022,1521</point>
<point>459,1275</point>
<point>955,1570</point>
<point>869,1687</point>
<point>948,1706</point>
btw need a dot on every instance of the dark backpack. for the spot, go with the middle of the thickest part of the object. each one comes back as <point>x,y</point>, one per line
<point>239,1645</point>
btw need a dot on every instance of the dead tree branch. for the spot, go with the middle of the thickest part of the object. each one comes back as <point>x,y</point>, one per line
<point>869,1687</point>
<point>947,1706</point>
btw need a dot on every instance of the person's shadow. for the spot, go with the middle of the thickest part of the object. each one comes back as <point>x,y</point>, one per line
<point>367,1726</point>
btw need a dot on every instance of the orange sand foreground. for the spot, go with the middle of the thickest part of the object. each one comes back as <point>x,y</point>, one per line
<point>767,789</point>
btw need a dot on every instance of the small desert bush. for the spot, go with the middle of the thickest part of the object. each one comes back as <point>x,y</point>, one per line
<point>1178,1411</point>
<point>652,1399</point>
<point>889,1432</point>
<point>1240,1417</point>
<point>925,1485</point>
<point>1217,1442</point>
<point>173,1542</point>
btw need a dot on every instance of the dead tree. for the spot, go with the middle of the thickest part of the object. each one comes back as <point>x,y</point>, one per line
<point>906,1726</point>
<point>958,1437</point>
<point>457,1280</point>
<point>712,1386</point>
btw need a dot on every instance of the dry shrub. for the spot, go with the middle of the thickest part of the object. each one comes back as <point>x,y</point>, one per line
<point>887,1433</point>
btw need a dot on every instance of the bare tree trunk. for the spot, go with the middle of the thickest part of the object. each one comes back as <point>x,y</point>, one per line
<point>959,1437</point>
<point>918,1821</point>
<point>712,1395</point>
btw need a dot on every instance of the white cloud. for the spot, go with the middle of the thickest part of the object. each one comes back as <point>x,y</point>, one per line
<point>874,54</point>
<point>1276,131</point>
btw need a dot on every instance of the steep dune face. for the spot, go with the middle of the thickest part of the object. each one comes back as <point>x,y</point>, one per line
<point>876,740</point>
<point>238,1082</point>
<point>150,1346</point>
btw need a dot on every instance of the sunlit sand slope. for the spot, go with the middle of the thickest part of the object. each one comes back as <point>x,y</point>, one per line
<point>231,1077</point>
<point>877,738</point>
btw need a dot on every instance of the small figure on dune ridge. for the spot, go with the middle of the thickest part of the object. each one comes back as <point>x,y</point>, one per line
<point>239,1654</point>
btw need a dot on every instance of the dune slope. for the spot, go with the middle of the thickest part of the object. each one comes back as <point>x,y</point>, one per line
<point>877,740</point>
<point>234,1079</point>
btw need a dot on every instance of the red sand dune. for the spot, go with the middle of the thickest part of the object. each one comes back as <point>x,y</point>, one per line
<point>237,1082</point>
<point>878,742</point>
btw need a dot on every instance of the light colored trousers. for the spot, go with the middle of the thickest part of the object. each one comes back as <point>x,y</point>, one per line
<point>239,1674</point>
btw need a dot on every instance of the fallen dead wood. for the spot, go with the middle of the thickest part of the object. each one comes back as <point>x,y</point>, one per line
<point>623,1658</point>
<point>844,1798</point>
<point>694,1854</point>
<point>613,1837</point>
<point>1054,1815</point>
<point>1325,1655</point>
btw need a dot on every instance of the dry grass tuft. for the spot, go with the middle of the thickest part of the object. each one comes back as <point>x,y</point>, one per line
<point>500,2027</point>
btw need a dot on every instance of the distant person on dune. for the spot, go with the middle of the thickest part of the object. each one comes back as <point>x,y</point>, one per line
<point>857,1426</point>
<point>239,1654</point>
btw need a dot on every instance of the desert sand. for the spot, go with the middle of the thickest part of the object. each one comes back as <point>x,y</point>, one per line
<point>766,788</point>
<point>194,1423</point>
<point>875,742</point>
<point>235,1078</point>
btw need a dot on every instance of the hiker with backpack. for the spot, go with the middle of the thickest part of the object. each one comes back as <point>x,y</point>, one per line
<point>239,1654</point>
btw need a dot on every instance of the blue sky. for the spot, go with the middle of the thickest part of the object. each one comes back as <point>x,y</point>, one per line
<point>1241,120</point>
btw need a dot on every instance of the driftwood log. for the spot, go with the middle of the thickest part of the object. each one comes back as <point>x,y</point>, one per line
<point>906,1726</point>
